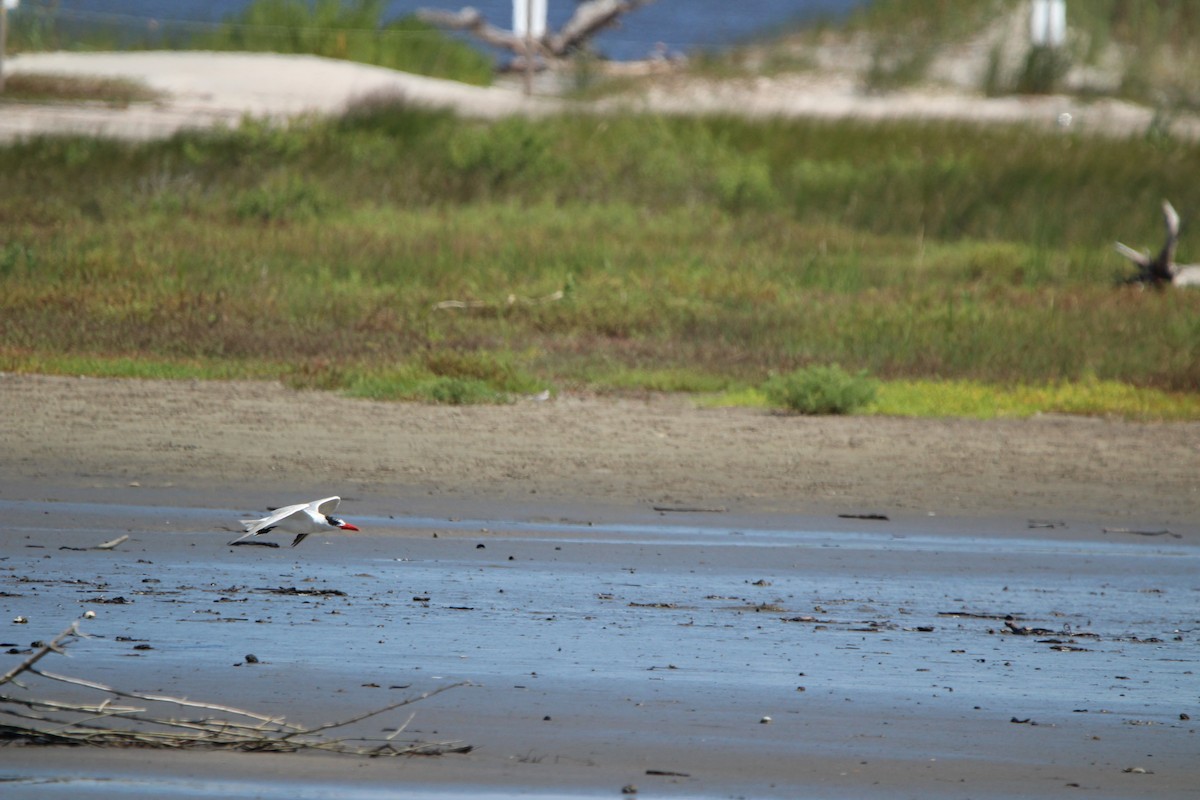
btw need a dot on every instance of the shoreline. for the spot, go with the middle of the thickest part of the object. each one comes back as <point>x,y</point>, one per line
<point>610,642</point>
<point>206,89</point>
<point>627,653</point>
<point>90,436</point>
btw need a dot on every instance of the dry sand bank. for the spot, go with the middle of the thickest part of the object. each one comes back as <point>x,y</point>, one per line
<point>203,89</point>
<point>606,639</point>
<point>84,436</point>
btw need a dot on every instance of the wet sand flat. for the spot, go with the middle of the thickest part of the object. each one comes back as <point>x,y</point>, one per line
<point>606,655</point>
<point>629,587</point>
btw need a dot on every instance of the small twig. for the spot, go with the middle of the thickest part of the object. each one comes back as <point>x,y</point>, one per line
<point>460,304</point>
<point>50,647</point>
<point>401,727</point>
<point>692,509</point>
<point>54,705</point>
<point>154,698</point>
<point>509,301</point>
<point>109,545</point>
<point>385,709</point>
<point>112,543</point>
<point>1143,533</point>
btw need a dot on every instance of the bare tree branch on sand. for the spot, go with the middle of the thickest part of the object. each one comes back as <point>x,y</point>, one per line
<point>118,718</point>
<point>589,18</point>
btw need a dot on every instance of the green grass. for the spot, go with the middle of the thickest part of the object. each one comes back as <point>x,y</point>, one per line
<point>398,253</point>
<point>1089,396</point>
<point>1160,64</point>
<point>1164,72</point>
<point>134,366</point>
<point>975,400</point>
<point>405,253</point>
<point>354,30</point>
<point>25,87</point>
<point>821,389</point>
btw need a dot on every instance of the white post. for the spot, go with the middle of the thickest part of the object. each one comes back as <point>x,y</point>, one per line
<point>1048,23</point>
<point>529,16</point>
<point>5,7</point>
<point>3,39</point>
<point>529,22</point>
<point>528,47</point>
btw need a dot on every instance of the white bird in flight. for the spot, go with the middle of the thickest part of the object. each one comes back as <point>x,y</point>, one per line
<point>300,519</point>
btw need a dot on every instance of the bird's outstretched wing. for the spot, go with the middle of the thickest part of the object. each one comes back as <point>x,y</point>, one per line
<point>1161,268</point>
<point>1139,258</point>
<point>326,506</point>
<point>256,526</point>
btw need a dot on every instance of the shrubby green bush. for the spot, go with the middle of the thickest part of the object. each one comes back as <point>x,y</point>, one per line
<point>821,390</point>
<point>461,392</point>
<point>283,198</point>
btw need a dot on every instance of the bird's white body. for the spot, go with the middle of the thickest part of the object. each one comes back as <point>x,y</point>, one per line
<point>300,519</point>
<point>1187,275</point>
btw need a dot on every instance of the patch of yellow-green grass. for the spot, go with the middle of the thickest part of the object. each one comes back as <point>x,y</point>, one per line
<point>981,401</point>
<point>150,368</point>
<point>745,397</point>
<point>974,400</point>
<point>439,389</point>
<point>650,379</point>
<point>456,384</point>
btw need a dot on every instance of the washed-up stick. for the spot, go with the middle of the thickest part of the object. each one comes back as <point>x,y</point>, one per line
<point>106,723</point>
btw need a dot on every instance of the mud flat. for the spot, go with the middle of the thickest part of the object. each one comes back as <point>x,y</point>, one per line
<point>639,593</point>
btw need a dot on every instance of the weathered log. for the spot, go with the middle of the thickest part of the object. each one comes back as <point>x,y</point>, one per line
<point>471,21</point>
<point>589,18</point>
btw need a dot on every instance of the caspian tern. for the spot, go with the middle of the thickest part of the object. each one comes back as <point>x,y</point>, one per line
<point>300,519</point>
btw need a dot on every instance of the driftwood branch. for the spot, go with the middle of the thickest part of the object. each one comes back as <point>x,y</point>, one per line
<point>511,300</point>
<point>111,544</point>
<point>472,22</point>
<point>104,722</point>
<point>589,18</point>
<point>53,646</point>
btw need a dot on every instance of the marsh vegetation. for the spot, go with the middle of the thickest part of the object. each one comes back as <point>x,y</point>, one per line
<point>401,252</point>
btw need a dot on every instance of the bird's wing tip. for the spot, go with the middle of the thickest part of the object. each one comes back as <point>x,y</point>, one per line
<point>332,502</point>
<point>1135,256</point>
<point>1172,218</point>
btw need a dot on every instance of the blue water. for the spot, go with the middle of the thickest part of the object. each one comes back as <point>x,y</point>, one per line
<point>680,25</point>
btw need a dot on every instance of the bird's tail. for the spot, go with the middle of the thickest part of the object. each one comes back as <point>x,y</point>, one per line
<point>248,525</point>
